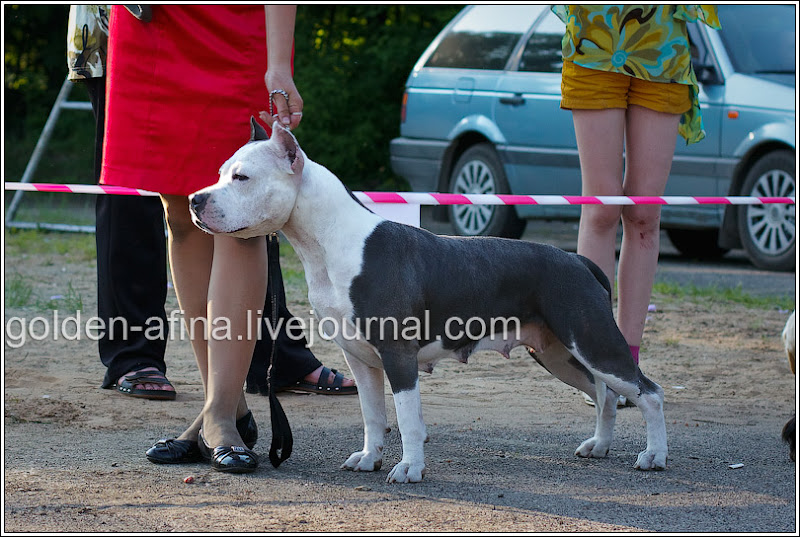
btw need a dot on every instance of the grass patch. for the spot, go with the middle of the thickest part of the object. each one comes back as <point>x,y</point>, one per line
<point>71,301</point>
<point>294,277</point>
<point>77,246</point>
<point>19,294</point>
<point>56,207</point>
<point>18,291</point>
<point>733,295</point>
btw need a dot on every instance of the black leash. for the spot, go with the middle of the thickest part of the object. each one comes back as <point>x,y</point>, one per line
<point>282,440</point>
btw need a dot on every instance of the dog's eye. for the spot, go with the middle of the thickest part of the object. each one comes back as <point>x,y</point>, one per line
<point>239,177</point>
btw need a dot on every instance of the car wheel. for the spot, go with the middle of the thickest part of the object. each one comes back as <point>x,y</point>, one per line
<point>479,171</point>
<point>767,231</point>
<point>697,243</point>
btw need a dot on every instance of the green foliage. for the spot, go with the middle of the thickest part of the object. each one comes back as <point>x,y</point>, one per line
<point>35,68</point>
<point>351,64</point>
<point>35,60</point>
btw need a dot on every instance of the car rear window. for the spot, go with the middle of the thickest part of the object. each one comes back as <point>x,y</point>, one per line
<point>542,52</point>
<point>484,37</point>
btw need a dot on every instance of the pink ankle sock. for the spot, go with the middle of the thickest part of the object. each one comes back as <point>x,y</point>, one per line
<point>635,352</point>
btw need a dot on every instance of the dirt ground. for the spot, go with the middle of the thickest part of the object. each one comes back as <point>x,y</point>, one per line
<point>500,456</point>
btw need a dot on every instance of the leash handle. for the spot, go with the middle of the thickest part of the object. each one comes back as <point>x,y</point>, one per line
<point>282,441</point>
<point>272,94</point>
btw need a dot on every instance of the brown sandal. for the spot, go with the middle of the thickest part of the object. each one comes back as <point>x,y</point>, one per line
<point>126,387</point>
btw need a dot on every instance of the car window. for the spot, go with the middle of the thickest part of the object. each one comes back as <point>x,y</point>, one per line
<point>543,50</point>
<point>759,39</point>
<point>484,37</point>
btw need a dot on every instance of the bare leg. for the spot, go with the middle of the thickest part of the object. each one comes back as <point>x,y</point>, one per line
<point>650,147</point>
<point>191,251</point>
<point>650,144</point>
<point>236,292</point>
<point>599,134</point>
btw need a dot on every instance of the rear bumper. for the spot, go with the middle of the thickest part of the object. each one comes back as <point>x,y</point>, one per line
<point>418,161</point>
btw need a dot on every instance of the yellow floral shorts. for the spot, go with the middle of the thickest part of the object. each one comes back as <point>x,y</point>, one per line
<point>590,89</point>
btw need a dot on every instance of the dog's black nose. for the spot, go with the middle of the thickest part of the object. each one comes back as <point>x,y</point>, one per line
<point>198,202</point>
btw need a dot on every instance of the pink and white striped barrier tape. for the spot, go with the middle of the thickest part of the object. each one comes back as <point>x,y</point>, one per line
<point>433,198</point>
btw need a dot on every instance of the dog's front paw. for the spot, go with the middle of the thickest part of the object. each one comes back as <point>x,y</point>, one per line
<point>405,472</point>
<point>592,449</point>
<point>651,460</point>
<point>363,461</point>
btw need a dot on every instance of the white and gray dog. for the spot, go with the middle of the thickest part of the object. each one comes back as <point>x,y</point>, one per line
<point>361,267</point>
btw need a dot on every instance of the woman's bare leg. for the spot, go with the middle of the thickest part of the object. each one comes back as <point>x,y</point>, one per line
<point>236,289</point>
<point>650,146</point>
<point>191,252</point>
<point>600,134</point>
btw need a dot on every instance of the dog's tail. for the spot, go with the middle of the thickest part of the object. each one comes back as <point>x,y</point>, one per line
<point>789,435</point>
<point>597,273</point>
<point>599,386</point>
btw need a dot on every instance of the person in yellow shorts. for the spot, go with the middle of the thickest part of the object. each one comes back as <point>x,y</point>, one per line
<point>628,80</point>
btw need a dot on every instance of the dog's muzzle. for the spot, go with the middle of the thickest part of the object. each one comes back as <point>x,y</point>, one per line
<point>197,202</point>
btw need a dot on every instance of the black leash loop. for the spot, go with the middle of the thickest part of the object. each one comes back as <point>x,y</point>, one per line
<point>282,440</point>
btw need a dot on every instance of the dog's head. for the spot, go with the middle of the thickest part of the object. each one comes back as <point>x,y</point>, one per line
<point>257,186</point>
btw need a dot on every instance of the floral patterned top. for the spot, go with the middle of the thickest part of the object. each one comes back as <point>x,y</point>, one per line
<point>87,40</point>
<point>649,42</point>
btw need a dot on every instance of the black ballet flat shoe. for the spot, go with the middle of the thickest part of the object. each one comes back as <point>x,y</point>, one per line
<point>230,459</point>
<point>248,429</point>
<point>173,451</point>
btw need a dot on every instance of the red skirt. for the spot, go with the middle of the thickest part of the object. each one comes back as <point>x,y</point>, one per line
<point>180,92</point>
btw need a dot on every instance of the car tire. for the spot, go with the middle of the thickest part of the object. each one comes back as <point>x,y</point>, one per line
<point>479,171</point>
<point>697,243</point>
<point>767,231</point>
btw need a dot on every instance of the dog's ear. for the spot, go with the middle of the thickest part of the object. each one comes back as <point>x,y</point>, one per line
<point>287,148</point>
<point>257,132</point>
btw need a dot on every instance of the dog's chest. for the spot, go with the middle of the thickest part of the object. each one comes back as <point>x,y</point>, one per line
<point>329,280</point>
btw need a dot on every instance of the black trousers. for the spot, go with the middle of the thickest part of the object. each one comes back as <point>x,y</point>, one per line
<point>132,285</point>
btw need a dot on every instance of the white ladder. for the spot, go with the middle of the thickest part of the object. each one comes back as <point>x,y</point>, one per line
<point>61,104</point>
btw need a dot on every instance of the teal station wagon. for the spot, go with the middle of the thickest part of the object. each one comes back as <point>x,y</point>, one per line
<point>481,115</point>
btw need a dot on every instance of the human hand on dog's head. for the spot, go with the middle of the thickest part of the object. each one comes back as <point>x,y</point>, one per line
<point>288,109</point>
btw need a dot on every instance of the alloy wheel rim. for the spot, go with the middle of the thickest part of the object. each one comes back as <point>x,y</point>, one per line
<point>475,177</point>
<point>771,227</point>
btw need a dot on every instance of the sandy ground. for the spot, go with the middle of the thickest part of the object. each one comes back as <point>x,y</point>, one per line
<point>500,456</point>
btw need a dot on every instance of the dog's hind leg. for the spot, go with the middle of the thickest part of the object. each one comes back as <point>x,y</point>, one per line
<point>628,380</point>
<point>557,360</point>
<point>373,410</point>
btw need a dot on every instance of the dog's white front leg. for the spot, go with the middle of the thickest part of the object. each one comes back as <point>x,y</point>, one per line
<point>412,431</point>
<point>373,410</point>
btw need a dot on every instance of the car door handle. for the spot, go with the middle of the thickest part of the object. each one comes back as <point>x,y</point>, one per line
<point>516,100</point>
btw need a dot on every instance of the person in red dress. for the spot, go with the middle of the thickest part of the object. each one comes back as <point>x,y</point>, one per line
<point>180,91</point>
